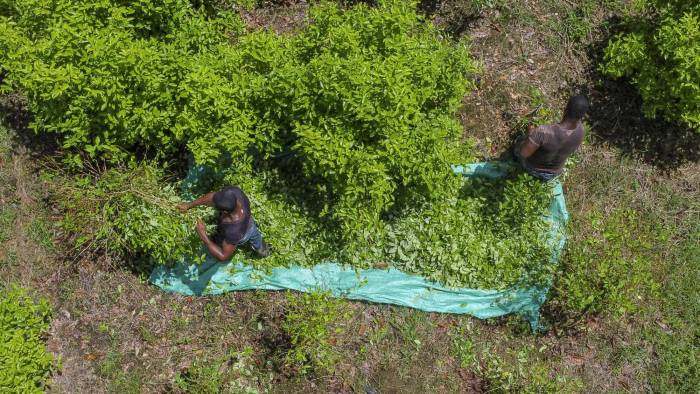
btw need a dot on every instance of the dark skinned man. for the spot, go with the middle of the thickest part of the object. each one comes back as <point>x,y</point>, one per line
<point>236,224</point>
<point>545,150</point>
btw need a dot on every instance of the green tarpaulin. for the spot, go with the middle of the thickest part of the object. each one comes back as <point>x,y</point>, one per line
<point>389,286</point>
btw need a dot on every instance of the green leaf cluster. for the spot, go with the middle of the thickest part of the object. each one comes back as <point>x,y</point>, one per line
<point>107,75</point>
<point>361,101</point>
<point>127,210</point>
<point>25,363</point>
<point>661,56</point>
<point>342,134</point>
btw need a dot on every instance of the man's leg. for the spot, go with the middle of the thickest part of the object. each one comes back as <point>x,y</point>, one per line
<point>256,241</point>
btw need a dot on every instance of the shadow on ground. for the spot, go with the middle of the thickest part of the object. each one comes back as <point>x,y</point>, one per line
<point>616,117</point>
<point>15,114</point>
<point>455,17</point>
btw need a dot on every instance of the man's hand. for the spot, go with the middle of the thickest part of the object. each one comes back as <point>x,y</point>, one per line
<point>201,229</point>
<point>183,207</point>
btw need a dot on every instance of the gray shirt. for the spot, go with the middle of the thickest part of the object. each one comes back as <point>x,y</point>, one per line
<point>555,144</point>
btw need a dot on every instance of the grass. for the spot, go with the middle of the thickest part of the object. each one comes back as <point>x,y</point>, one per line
<point>634,247</point>
<point>676,336</point>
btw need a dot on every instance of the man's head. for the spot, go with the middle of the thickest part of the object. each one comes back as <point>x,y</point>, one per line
<point>576,108</point>
<point>225,200</point>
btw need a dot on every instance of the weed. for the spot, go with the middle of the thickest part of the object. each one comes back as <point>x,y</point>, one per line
<point>122,379</point>
<point>40,231</point>
<point>233,373</point>
<point>7,219</point>
<point>147,335</point>
<point>463,349</point>
<point>9,259</point>
<point>577,24</point>
<point>676,336</point>
<point>610,271</point>
<point>311,321</point>
<point>521,373</point>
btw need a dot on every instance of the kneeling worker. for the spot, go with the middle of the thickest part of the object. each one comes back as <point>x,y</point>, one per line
<point>545,150</point>
<point>236,224</point>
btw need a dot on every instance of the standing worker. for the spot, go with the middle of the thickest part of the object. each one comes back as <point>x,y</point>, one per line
<point>236,224</point>
<point>545,150</point>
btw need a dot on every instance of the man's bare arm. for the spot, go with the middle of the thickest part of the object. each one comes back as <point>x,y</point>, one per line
<point>527,147</point>
<point>221,253</point>
<point>207,199</point>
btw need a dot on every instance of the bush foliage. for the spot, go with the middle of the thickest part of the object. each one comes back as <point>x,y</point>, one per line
<point>342,135</point>
<point>661,56</point>
<point>24,361</point>
<point>125,210</point>
<point>361,100</point>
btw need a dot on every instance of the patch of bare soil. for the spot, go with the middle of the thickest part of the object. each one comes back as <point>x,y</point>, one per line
<point>283,17</point>
<point>67,341</point>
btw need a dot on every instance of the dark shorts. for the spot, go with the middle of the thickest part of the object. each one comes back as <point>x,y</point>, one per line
<point>541,175</point>
<point>253,236</point>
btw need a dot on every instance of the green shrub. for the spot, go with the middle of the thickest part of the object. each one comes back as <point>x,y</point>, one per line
<point>660,55</point>
<point>342,135</point>
<point>106,75</point>
<point>125,210</point>
<point>25,363</point>
<point>363,99</point>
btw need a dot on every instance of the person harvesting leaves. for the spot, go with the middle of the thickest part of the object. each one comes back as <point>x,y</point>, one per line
<point>545,150</point>
<point>236,225</point>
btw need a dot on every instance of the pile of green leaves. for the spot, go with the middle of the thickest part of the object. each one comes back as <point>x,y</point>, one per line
<point>125,211</point>
<point>660,54</point>
<point>24,361</point>
<point>490,235</point>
